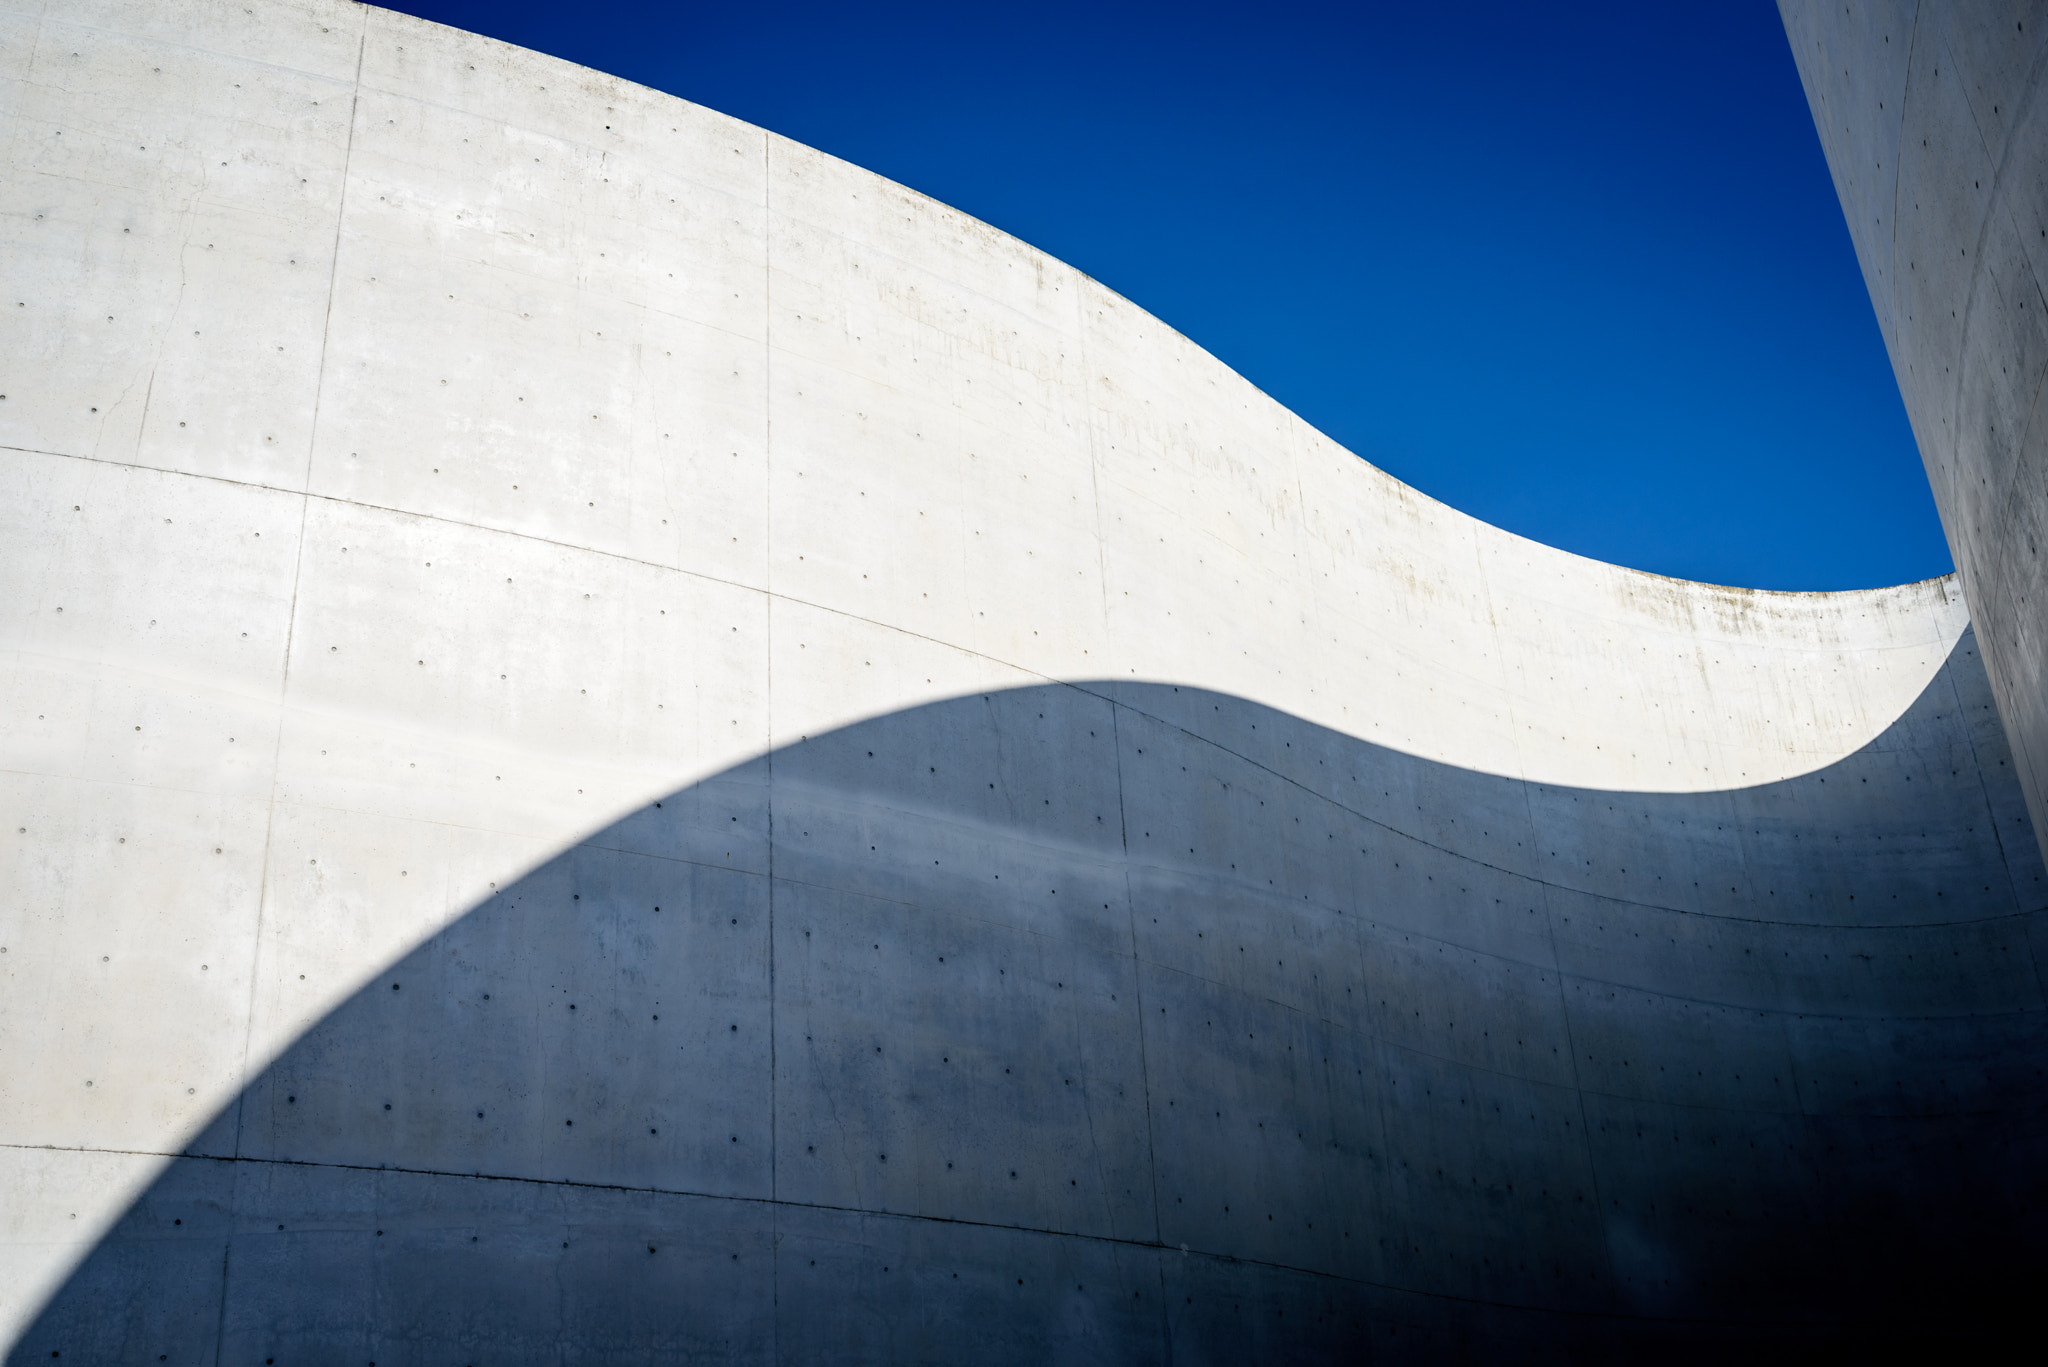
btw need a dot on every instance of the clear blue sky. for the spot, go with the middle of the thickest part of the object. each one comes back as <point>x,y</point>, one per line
<point>1576,269</point>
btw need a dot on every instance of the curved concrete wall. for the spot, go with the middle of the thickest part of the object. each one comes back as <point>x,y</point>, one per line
<point>1937,134</point>
<point>459,504</point>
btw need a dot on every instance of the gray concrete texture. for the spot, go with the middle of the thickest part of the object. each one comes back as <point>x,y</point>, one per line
<point>625,743</point>
<point>1937,136</point>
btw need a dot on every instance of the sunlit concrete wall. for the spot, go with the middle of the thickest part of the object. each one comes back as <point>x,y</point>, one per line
<point>1936,132</point>
<point>456,503</point>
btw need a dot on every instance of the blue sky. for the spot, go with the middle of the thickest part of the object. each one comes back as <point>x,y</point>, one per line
<point>1577,269</point>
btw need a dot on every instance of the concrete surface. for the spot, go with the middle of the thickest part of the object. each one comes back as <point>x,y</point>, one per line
<point>1937,134</point>
<point>457,503</point>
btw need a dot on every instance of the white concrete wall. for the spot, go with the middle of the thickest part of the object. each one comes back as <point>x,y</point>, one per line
<point>1937,136</point>
<point>422,455</point>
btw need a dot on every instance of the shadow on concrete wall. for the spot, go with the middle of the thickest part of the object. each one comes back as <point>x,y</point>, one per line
<point>1130,1023</point>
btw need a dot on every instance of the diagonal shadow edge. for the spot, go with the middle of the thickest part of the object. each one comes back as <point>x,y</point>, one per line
<point>1041,982</point>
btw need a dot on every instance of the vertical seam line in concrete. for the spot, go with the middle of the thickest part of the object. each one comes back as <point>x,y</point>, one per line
<point>1123,823</point>
<point>1898,175</point>
<point>334,257</point>
<point>292,612</point>
<point>1137,964</point>
<point>1305,549</point>
<point>220,1322</point>
<point>148,395</point>
<point>768,719</point>
<point>1094,468</point>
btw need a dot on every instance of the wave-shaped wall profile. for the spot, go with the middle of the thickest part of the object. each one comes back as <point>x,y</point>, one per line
<point>625,742</point>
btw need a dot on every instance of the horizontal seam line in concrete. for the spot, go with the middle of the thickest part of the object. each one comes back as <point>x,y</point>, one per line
<point>1180,970</point>
<point>750,588</point>
<point>1535,879</point>
<point>1292,1008</point>
<point>1398,1042</point>
<point>1878,926</point>
<point>915,635</point>
<point>887,1215</point>
<point>1873,926</point>
<point>549,541</point>
<point>1836,650</point>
